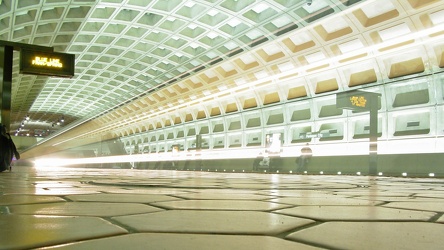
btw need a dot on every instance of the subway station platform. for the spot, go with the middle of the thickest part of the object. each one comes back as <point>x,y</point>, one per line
<point>86,208</point>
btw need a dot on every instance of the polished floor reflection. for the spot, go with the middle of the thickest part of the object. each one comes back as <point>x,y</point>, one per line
<point>80,208</point>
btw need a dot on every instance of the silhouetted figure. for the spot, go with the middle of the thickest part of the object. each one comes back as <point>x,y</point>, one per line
<point>304,159</point>
<point>7,150</point>
<point>261,161</point>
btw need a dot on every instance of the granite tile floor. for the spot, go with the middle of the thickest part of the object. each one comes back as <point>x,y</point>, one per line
<point>86,208</point>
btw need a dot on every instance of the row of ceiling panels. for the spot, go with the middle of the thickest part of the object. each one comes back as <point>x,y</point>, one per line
<point>397,95</point>
<point>221,76</point>
<point>401,96</point>
<point>397,98</point>
<point>420,123</point>
<point>290,114</point>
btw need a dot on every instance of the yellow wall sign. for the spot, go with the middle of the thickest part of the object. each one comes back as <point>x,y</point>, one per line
<point>356,100</point>
<point>46,63</point>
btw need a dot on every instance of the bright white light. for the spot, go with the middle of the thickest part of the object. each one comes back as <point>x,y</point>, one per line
<point>428,145</point>
<point>272,49</point>
<point>396,31</point>
<point>254,34</point>
<point>377,8</point>
<point>227,67</point>
<point>260,8</point>
<point>335,24</point>
<point>437,17</point>
<point>230,45</point>
<point>404,174</point>
<point>213,12</point>
<point>212,35</point>
<point>164,156</point>
<point>286,66</point>
<point>351,46</point>
<point>234,22</point>
<point>240,81</point>
<point>222,87</point>
<point>358,173</point>
<point>261,74</point>
<point>380,173</point>
<point>339,173</point>
<point>315,57</point>
<point>321,172</point>
<point>247,59</point>
<point>281,21</point>
<point>431,175</point>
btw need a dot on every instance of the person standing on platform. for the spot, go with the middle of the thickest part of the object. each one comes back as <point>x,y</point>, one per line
<point>303,160</point>
<point>7,150</point>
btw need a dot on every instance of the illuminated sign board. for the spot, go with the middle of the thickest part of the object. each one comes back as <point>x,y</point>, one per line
<point>355,100</point>
<point>46,63</point>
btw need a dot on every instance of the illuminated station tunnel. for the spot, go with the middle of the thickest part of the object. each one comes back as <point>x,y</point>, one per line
<point>223,124</point>
<point>223,85</point>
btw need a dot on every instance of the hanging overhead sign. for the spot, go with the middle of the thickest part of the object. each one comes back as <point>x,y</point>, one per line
<point>46,63</point>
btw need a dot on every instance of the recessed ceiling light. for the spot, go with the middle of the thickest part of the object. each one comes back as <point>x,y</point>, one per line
<point>272,49</point>
<point>285,66</point>
<point>260,8</point>
<point>213,12</point>
<point>315,57</point>
<point>234,22</point>
<point>350,46</point>
<point>227,67</point>
<point>212,35</point>
<point>281,21</point>
<point>396,31</point>
<point>254,34</point>
<point>437,17</point>
<point>335,24</point>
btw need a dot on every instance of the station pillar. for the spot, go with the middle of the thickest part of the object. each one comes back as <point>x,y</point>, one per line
<point>362,101</point>
<point>5,84</point>
<point>373,146</point>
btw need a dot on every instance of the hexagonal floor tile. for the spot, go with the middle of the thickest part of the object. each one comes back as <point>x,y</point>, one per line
<point>122,198</point>
<point>373,235</point>
<point>27,199</point>
<point>187,242</point>
<point>29,231</point>
<point>325,201</point>
<point>83,208</point>
<point>356,213</point>
<point>435,206</point>
<point>221,205</point>
<point>232,222</point>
